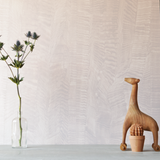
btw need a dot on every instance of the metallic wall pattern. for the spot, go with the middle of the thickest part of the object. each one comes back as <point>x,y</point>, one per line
<point>73,90</point>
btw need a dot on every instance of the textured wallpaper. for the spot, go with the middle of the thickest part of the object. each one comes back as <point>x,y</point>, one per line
<point>73,90</point>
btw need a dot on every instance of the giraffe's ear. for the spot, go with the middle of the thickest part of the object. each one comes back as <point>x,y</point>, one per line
<point>137,80</point>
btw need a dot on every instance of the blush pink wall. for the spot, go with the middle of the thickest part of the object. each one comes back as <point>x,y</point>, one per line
<point>73,90</point>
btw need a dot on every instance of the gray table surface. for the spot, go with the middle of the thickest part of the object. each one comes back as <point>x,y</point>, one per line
<point>76,152</point>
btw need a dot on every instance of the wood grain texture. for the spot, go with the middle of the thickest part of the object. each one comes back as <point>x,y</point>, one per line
<point>73,91</point>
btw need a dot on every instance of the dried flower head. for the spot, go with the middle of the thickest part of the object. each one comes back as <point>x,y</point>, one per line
<point>18,43</point>
<point>29,34</point>
<point>35,36</point>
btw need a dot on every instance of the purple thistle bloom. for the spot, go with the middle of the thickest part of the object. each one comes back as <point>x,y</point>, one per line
<point>29,34</point>
<point>35,36</point>
<point>18,43</point>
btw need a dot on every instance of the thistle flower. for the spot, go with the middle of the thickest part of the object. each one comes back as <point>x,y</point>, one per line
<point>29,34</point>
<point>18,43</point>
<point>17,47</point>
<point>35,36</point>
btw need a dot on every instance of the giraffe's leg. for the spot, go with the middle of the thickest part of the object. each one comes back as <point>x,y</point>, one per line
<point>155,145</point>
<point>123,145</point>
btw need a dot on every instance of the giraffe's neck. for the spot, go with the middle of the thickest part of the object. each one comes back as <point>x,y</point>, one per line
<point>133,99</point>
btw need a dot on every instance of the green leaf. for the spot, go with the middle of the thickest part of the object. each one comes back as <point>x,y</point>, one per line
<point>4,58</point>
<point>16,80</point>
<point>17,64</point>
<point>31,47</point>
<point>27,43</point>
<point>19,55</point>
<point>21,79</point>
<point>1,45</point>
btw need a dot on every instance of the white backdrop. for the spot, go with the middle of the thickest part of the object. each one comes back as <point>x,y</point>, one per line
<point>73,90</point>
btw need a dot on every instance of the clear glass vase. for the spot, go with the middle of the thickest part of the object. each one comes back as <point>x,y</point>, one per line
<point>19,132</point>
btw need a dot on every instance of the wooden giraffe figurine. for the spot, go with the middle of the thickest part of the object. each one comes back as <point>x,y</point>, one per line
<point>134,115</point>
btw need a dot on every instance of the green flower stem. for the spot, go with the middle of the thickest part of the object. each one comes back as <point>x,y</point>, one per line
<point>26,55</point>
<point>24,51</point>
<point>29,51</point>
<point>9,67</point>
<point>20,124</point>
<point>8,55</point>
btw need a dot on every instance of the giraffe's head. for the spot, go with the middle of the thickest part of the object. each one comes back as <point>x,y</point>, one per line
<point>132,80</point>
